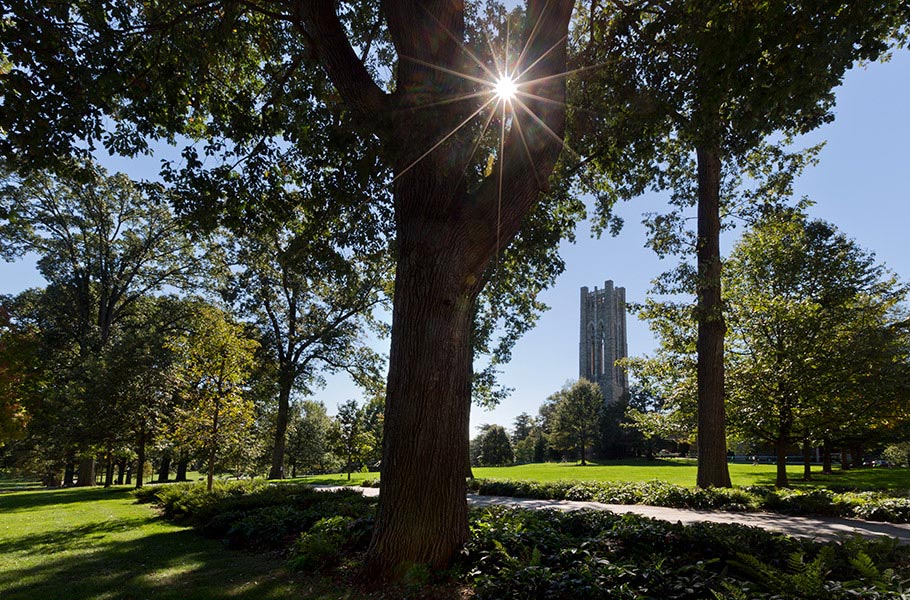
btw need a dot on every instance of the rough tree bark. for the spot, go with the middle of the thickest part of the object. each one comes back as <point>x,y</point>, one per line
<point>712,440</point>
<point>446,239</point>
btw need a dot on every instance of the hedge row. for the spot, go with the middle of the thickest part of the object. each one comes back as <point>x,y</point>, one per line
<point>872,506</point>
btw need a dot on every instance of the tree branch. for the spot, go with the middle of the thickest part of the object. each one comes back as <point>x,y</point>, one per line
<point>325,34</point>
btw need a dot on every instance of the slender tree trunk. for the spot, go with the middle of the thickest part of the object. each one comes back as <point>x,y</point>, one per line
<point>712,435</point>
<point>856,456</point>
<point>285,383</point>
<point>164,469</point>
<point>109,469</point>
<point>86,472</point>
<point>781,445</point>
<point>781,448</point>
<point>121,470</point>
<point>807,461</point>
<point>129,473</point>
<point>69,474</point>
<point>210,472</point>
<point>210,479</point>
<point>182,462</point>
<point>140,457</point>
<point>826,459</point>
<point>845,459</point>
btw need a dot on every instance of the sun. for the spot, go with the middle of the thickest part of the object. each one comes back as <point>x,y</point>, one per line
<point>505,88</point>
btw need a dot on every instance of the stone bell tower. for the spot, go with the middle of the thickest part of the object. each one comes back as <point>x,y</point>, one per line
<point>602,339</point>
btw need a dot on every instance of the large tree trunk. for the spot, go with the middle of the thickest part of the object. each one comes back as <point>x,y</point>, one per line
<point>164,469</point>
<point>712,434</point>
<point>285,383</point>
<point>423,511</point>
<point>183,462</point>
<point>69,474</point>
<point>446,238</point>
<point>86,472</point>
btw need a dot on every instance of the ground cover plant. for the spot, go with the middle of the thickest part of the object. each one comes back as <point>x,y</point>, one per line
<point>548,554</point>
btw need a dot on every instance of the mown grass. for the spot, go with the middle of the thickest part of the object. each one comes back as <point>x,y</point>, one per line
<point>98,544</point>
<point>676,471</point>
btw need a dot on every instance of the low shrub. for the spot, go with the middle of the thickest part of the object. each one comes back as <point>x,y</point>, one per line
<point>256,514</point>
<point>592,555</point>
<point>864,505</point>
<point>581,555</point>
<point>326,543</point>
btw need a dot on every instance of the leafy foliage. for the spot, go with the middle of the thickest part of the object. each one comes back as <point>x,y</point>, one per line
<point>575,416</point>
<point>548,554</point>
<point>817,349</point>
<point>491,447</point>
<point>216,360</point>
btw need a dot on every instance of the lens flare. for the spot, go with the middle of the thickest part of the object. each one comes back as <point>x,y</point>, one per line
<point>505,88</point>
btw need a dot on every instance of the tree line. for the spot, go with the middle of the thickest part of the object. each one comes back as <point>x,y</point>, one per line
<point>150,341</point>
<point>818,344</point>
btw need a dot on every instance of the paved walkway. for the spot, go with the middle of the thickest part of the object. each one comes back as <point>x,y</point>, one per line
<point>817,528</point>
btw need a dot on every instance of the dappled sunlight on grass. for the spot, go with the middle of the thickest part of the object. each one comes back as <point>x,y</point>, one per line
<point>94,543</point>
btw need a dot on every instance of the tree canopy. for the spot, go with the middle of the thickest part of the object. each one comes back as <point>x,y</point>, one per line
<point>816,338</point>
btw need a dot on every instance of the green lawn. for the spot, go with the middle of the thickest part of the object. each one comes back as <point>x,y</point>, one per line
<point>677,471</point>
<point>80,544</point>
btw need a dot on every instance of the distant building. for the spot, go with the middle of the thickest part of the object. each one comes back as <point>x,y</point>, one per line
<point>602,340</point>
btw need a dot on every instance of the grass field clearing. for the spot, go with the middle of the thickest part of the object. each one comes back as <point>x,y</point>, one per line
<point>677,471</point>
<point>98,544</point>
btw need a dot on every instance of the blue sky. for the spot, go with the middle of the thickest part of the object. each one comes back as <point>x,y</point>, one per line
<point>862,185</point>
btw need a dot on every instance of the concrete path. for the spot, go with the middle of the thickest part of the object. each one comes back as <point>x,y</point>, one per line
<point>817,528</point>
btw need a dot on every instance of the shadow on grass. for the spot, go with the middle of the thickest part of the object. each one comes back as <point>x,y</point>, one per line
<point>73,538</point>
<point>36,499</point>
<point>169,565</point>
